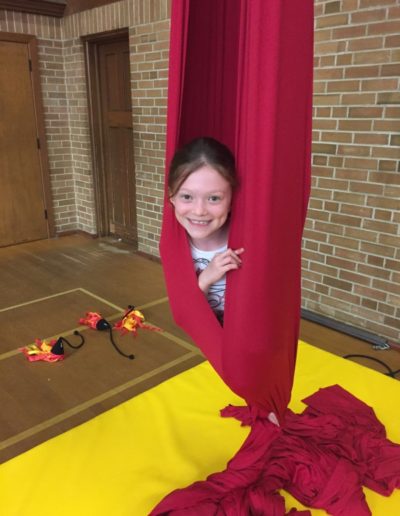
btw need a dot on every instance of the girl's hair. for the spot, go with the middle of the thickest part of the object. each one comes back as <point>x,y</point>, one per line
<point>197,154</point>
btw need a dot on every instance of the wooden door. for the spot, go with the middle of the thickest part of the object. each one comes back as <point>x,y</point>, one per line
<point>117,136</point>
<point>23,214</point>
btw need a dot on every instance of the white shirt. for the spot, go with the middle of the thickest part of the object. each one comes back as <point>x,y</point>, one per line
<point>216,292</point>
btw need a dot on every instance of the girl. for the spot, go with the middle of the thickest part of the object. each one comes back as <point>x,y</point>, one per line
<point>201,182</point>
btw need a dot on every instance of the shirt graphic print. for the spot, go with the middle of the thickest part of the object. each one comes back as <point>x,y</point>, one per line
<point>216,293</point>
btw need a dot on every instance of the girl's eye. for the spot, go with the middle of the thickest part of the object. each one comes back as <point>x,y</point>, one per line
<point>214,198</point>
<point>185,197</point>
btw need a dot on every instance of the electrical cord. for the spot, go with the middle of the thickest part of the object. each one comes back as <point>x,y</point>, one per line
<point>390,372</point>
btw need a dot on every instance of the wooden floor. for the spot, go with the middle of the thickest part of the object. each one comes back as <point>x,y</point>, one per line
<point>46,287</point>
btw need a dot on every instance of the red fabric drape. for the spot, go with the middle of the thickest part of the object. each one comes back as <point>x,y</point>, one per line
<point>241,71</point>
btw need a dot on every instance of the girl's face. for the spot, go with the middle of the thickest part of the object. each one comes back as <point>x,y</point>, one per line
<point>202,205</point>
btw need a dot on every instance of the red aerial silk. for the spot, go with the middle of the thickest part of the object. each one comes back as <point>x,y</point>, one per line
<point>241,72</point>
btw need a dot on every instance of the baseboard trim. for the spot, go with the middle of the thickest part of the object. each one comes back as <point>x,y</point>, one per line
<point>347,329</point>
<point>77,232</point>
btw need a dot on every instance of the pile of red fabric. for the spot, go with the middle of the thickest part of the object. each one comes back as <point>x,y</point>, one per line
<point>322,457</point>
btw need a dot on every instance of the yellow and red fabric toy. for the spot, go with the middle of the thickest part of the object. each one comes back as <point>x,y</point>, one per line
<point>95,321</point>
<point>132,321</point>
<point>52,351</point>
<point>42,350</point>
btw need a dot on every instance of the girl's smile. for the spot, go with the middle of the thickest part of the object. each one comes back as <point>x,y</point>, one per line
<point>202,206</point>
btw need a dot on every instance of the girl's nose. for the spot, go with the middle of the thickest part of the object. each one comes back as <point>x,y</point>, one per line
<point>199,207</point>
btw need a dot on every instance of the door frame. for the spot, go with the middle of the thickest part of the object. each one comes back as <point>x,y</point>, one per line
<point>32,46</point>
<point>91,44</point>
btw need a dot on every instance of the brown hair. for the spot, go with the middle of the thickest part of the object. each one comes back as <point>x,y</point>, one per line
<point>196,154</point>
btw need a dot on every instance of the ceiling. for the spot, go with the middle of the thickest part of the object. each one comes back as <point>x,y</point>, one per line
<point>57,8</point>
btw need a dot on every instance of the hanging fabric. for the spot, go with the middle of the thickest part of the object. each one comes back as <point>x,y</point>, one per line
<point>241,72</point>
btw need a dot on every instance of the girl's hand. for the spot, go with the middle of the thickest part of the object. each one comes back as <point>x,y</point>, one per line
<point>221,264</point>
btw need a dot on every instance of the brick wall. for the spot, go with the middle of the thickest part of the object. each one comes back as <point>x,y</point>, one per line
<point>149,65</point>
<point>351,252</point>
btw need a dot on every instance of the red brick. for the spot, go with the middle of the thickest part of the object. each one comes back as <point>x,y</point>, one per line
<point>358,98</point>
<point>381,227</point>
<point>340,263</point>
<point>388,27</point>
<point>328,73</point>
<point>365,44</point>
<point>342,295</point>
<point>329,47</point>
<point>336,136</point>
<point>386,125</point>
<point>343,59</point>
<point>319,193</point>
<point>367,188</point>
<point>343,86</point>
<point>328,228</point>
<point>385,177</point>
<point>323,269</point>
<point>369,164</point>
<point>341,285</point>
<point>332,21</point>
<point>389,240</point>
<point>375,3</point>
<point>350,254</point>
<point>373,272</point>
<point>346,243</point>
<point>367,16</point>
<point>326,100</point>
<point>355,125</point>
<point>368,303</point>
<point>325,249</point>
<point>370,138</point>
<point>339,112</point>
<point>332,7</point>
<point>333,184</point>
<point>380,85</point>
<point>331,206</point>
<point>353,150</point>
<point>327,60</point>
<point>389,97</point>
<point>365,112</point>
<point>392,41</point>
<point>320,160</point>
<point>390,70</point>
<point>355,278</point>
<point>360,234</point>
<point>358,211</point>
<point>352,31</point>
<point>361,71</point>
<point>371,293</point>
<point>386,286</point>
<point>392,152</point>
<point>379,250</point>
<point>323,148</point>
<point>335,161</point>
<point>382,202</point>
<point>387,165</point>
<point>373,57</point>
<point>348,173</point>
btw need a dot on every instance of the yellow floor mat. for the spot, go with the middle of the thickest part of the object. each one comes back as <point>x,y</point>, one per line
<point>125,460</point>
